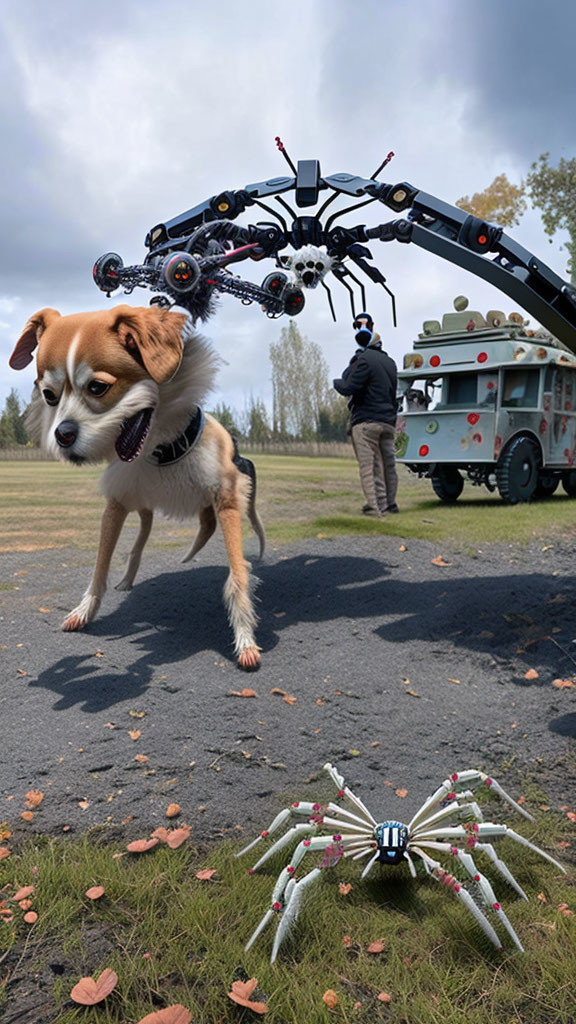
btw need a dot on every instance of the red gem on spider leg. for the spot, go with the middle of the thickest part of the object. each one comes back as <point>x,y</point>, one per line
<point>277,906</point>
<point>488,782</point>
<point>307,842</point>
<point>250,871</point>
<point>340,794</point>
<point>336,838</point>
<point>496,906</point>
<point>263,834</point>
<point>454,777</point>
<point>476,878</point>
<point>296,803</point>
<point>290,869</point>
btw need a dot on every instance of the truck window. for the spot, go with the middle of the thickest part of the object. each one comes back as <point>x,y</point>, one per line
<point>521,388</point>
<point>462,389</point>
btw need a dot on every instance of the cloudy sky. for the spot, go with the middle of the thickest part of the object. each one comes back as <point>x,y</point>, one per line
<point>115,116</point>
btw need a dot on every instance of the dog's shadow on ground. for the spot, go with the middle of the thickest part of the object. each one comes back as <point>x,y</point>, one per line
<point>172,617</point>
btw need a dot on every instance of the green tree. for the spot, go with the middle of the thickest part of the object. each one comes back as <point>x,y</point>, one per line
<point>228,418</point>
<point>500,203</point>
<point>12,429</point>
<point>259,430</point>
<point>300,384</point>
<point>553,191</point>
<point>333,419</point>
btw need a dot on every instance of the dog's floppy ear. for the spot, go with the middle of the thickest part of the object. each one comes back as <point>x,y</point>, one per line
<point>156,335</point>
<point>28,340</point>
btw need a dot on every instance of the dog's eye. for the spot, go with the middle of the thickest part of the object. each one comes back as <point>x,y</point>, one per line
<point>49,397</point>
<point>98,388</point>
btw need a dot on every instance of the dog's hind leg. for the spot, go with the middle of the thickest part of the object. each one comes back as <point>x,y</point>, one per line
<point>257,526</point>
<point>207,526</point>
<point>237,588</point>
<point>135,556</point>
<point>111,526</point>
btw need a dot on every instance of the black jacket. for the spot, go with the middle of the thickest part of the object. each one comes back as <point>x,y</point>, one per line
<point>370,382</point>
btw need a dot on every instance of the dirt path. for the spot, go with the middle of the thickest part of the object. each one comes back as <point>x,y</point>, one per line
<point>403,671</point>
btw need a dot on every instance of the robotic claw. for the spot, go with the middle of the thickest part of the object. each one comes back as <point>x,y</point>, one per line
<point>189,257</point>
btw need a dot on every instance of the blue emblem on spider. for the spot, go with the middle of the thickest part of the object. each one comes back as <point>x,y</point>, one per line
<point>392,839</point>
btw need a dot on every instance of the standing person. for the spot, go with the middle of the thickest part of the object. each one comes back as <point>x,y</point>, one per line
<point>369,382</point>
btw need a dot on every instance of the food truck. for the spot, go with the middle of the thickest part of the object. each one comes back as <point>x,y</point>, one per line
<point>484,398</point>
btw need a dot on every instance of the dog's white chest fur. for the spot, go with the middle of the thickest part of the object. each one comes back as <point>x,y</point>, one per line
<point>179,490</point>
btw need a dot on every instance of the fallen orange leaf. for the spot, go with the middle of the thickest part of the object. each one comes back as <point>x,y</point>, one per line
<point>23,893</point>
<point>4,852</point>
<point>290,699</point>
<point>88,992</point>
<point>178,836</point>
<point>330,998</point>
<point>134,734</point>
<point>531,674</point>
<point>375,947</point>
<point>384,997</point>
<point>562,684</point>
<point>83,805</point>
<point>276,689</point>
<point>205,875</point>
<point>34,797</point>
<point>176,1014</point>
<point>243,693</point>
<point>241,992</point>
<point>344,888</point>
<point>173,810</point>
<point>571,815</point>
<point>440,561</point>
<point>31,917</point>
<point>27,815</point>
<point>95,892</point>
<point>401,793</point>
<point>141,758</point>
<point>141,845</point>
<point>347,941</point>
<point>162,834</point>
<point>24,904</point>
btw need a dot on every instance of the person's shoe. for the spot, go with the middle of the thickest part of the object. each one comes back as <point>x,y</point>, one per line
<point>372,513</point>
<point>366,508</point>
<point>393,509</point>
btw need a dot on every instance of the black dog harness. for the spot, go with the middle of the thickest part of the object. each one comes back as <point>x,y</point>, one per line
<point>171,452</point>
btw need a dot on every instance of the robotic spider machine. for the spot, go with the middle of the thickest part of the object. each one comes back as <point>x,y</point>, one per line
<point>189,256</point>
<point>449,823</point>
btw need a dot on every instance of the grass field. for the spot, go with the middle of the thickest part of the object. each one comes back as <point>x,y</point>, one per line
<point>172,938</point>
<point>46,504</point>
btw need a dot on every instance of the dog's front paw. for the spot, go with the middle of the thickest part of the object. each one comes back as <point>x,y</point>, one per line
<point>125,583</point>
<point>84,613</point>
<point>249,659</point>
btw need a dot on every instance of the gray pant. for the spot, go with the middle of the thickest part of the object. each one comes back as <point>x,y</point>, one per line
<point>374,448</point>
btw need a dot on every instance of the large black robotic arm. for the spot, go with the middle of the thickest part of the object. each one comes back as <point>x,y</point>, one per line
<point>189,257</point>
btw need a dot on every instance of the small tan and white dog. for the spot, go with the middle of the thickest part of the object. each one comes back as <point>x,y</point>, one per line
<point>126,385</point>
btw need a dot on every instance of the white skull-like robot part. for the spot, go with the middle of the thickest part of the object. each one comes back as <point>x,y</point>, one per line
<point>309,265</point>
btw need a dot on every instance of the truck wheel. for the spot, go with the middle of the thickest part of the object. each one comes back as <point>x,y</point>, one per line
<point>569,482</point>
<point>547,484</point>
<point>517,471</point>
<point>447,483</point>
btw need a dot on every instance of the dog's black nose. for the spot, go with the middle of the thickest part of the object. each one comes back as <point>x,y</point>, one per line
<point>66,433</point>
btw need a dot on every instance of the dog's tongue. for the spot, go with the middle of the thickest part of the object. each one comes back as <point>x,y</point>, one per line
<point>133,434</point>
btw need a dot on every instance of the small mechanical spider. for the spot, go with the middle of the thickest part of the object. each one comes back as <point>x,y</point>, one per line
<point>449,823</point>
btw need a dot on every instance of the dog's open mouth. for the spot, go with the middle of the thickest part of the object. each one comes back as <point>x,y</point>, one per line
<point>132,435</point>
